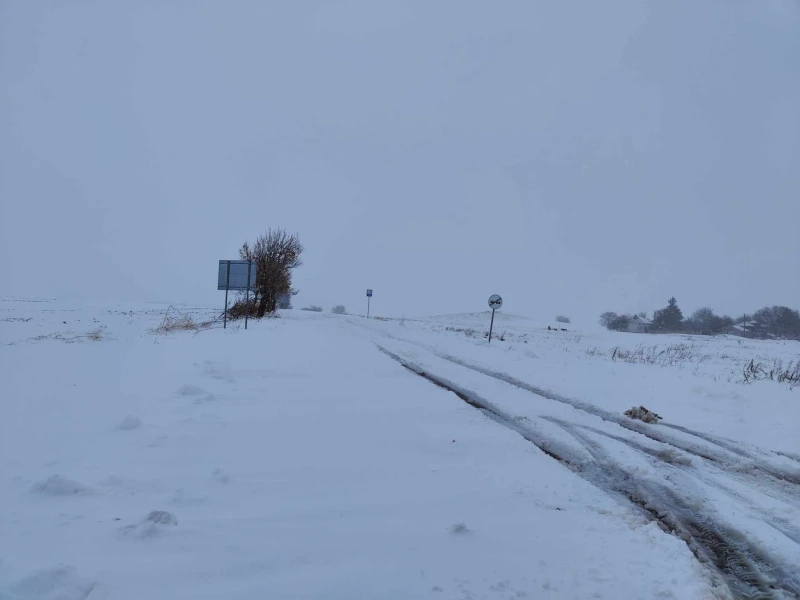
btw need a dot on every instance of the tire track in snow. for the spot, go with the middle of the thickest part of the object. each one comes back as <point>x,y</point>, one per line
<point>782,526</point>
<point>746,570</point>
<point>726,458</point>
<point>783,483</point>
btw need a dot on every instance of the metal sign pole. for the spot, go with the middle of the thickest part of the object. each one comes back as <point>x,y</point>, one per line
<point>368,299</point>
<point>247,294</point>
<point>495,302</point>
<point>227,285</point>
<point>231,276</point>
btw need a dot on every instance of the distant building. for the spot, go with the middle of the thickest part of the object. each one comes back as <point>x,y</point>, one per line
<point>639,324</point>
<point>751,329</point>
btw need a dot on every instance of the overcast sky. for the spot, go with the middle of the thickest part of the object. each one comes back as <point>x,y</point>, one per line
<point>574,157</point>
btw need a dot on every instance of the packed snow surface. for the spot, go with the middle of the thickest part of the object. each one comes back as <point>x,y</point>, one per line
<point>330,456</point>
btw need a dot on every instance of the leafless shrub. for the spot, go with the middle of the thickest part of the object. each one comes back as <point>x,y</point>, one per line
<point>607,318</point>
<point>242,308</point>
<point>381,318</point>
<point>339,309</point>
<point>562,319</point>
<point>276,253</point>
<point>594,351</point>
<point>313,308</point>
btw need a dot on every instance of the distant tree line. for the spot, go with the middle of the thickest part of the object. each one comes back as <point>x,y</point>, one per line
<point>770,321</point>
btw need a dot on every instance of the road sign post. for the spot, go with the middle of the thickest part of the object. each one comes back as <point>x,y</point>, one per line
<point>495,302</point>
<point>237,275</point>
<point>227,287</point>
<point>369,297</point>
<point>247,294</point>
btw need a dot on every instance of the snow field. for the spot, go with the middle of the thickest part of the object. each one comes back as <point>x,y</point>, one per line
<point>293,460</point>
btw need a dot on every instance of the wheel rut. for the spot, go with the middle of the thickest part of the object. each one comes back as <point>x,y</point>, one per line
<point>733,561</point>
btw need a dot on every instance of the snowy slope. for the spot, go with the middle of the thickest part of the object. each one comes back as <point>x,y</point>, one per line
<point>301,459</point>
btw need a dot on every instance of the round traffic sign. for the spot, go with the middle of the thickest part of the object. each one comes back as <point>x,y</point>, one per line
<point>495,301</point>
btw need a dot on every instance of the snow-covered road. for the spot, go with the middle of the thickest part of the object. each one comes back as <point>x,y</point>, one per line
<point>736,506</point>
<point>302,459</point>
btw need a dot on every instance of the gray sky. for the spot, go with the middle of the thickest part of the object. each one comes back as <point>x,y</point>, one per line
<point>574,157</point>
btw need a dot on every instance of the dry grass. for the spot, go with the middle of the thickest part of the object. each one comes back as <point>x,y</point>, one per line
<point>176,320</point>
<point>672,355</point>
<point>66,337</point>
<point>96,335</point>
<point>467,331</point>
<point>777,371</point>
<point>69,337</point>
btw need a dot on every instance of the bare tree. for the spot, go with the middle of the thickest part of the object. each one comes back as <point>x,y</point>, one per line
<point>562,319</point>
<point>704,321</point>
<point>276,253</point>
<point>606,318</point>
<point>778,320</point>
<point>620,323</point>
<point>339,309</point>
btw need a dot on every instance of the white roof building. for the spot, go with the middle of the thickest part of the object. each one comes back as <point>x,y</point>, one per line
<point>639,324</point>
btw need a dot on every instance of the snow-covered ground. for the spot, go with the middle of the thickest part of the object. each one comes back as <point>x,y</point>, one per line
<point>311,456</point>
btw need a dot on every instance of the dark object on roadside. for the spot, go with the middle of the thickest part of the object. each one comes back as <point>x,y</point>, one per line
<point>642,414</point>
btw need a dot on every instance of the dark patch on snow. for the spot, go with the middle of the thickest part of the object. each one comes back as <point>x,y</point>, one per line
<point>460,529</point>
<point>129,423</point>
<point>155,524</point>
<point>57,485</point>
<point>62,583</point>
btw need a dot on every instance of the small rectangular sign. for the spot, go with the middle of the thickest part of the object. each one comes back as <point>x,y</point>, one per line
<point>237,280</point>
<point>369,293</point>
